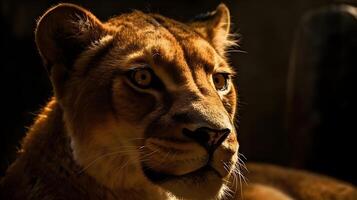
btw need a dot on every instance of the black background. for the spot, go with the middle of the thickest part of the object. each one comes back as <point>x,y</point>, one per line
<point>267,28</point>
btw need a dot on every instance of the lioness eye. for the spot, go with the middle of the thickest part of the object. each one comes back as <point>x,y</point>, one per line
<point>220,81</point>
<point>142,77</point>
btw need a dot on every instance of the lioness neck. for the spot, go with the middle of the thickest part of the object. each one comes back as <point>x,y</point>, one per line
<point>46,160</point>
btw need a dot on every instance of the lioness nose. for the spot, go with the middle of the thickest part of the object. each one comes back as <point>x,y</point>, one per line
<point>207,137</point>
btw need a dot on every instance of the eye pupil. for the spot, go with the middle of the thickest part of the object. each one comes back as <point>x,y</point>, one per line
<point>216,80</point>
<point>220,81</point>
<point>142,77</point>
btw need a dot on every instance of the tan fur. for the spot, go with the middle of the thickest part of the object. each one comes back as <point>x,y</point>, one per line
<point>295,184</point>
<point>101,135</point>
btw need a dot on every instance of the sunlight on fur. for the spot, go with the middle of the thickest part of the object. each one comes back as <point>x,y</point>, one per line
<point>144,107</point>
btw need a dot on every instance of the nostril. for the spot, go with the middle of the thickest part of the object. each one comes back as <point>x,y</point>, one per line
<point>207,137</point>
<point>217,137</point>
<point>199,135</point>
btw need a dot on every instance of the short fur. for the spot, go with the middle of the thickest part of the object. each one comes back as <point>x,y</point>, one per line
<point>103,137</point>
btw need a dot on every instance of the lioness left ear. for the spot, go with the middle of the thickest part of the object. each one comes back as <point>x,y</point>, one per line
<point>215,27</point>
<point>63,32</point>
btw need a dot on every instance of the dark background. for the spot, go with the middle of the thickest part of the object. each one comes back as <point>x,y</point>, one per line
<point>273,127</point>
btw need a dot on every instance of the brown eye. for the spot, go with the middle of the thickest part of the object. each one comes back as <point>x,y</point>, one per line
<point>142,77</point>
<point>220,81</point>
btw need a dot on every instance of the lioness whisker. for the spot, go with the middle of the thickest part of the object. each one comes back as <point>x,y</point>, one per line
<point>106,155</point>
<point>149,154</point>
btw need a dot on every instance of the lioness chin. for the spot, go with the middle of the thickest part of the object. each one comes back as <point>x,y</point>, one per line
<point>143,108</point>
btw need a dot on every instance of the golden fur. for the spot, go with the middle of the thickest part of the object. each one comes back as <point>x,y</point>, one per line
<point>105,136</point>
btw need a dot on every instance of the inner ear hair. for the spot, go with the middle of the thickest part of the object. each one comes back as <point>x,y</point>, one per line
<point>63,32</point>
<point>215,28</point>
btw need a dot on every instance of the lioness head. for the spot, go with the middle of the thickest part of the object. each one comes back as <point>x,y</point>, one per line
<point>147,101</point>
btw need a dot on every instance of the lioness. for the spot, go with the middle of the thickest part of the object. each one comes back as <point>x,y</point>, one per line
<point>143,108</point>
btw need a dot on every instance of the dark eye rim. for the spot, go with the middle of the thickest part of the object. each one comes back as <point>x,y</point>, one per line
<point>131,75</point>
<point>227,77</point>
<point>155,82</point>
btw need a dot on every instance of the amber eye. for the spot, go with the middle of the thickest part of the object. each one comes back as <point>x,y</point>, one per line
<point>142,77</point>
<point>220,81</point>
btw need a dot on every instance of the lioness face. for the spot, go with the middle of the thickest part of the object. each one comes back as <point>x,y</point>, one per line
<point>146,99</point>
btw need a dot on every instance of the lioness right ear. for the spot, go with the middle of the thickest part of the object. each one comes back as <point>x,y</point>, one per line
<point>63,32</point>
<point>215,27</point>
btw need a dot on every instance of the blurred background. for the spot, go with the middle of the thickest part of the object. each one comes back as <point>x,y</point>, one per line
<point>296,81</point>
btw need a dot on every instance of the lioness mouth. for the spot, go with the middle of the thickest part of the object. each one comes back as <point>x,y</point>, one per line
<point>158,177</point>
